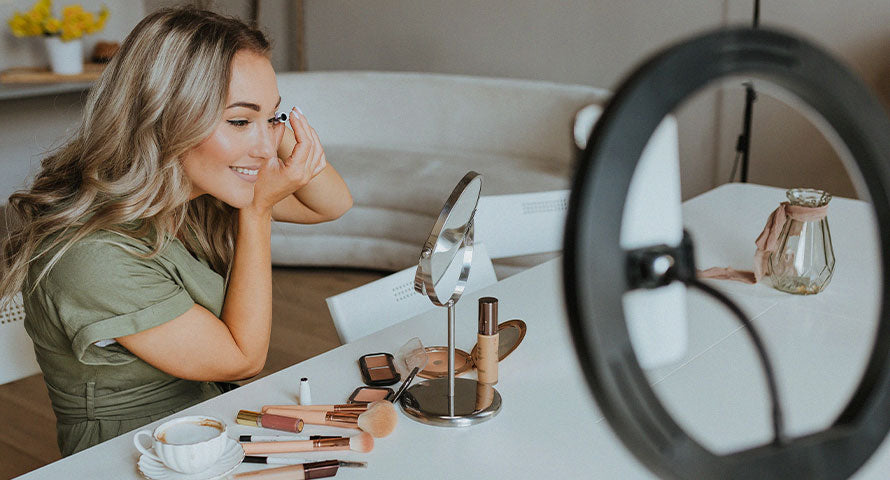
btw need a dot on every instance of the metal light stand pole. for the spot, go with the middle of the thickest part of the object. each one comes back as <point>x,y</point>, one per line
<point>743,146</point>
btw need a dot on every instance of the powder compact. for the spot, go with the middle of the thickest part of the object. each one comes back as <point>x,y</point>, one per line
<point>510,335</point>
<point>437,363</point>
<point>378,369</point>
<point>370,394</point>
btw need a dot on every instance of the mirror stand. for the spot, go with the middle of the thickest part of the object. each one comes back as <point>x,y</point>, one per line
<point>449,401</point>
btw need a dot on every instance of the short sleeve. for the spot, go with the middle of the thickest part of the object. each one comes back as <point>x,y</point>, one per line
<point>100,290</point>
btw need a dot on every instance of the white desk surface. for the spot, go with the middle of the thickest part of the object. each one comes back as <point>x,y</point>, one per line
<point>549,426</point>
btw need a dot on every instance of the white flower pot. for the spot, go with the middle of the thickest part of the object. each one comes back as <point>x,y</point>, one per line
<point>65,58</point>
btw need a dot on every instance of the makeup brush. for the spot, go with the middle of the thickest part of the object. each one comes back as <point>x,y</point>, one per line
<point>294,461</point>
<point>343,407</point>
<point>379,419</point>
<point>362,442</point>
<point>302,471</point>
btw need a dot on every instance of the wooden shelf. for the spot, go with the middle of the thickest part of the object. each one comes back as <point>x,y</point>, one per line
<point>24,82</point>
<point>38,75</point>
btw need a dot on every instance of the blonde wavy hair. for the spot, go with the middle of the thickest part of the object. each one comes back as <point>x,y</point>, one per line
<point>161,95</point>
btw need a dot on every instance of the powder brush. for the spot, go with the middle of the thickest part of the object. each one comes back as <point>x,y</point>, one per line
<point>362,442</point>
<point>379,419</point>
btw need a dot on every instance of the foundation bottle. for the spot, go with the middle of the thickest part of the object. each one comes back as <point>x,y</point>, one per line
<point>487,340</point>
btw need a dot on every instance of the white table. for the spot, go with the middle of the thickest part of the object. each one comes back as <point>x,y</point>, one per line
<point>549,426</point>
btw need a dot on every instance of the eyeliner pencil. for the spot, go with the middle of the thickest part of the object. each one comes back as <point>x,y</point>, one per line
<point>273,460</point>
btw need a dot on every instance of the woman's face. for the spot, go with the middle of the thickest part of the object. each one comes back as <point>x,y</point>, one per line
<point>225,164</point>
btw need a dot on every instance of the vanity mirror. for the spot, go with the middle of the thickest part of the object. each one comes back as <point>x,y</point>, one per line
<point>442,276</point>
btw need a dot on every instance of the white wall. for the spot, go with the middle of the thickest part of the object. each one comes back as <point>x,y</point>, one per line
<point>592,42</point>
<point>597,43</point>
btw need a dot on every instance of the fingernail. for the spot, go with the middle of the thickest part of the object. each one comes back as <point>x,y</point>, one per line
<point>298,109</point>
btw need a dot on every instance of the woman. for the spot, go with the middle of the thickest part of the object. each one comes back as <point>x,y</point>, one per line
<point>143,250</point>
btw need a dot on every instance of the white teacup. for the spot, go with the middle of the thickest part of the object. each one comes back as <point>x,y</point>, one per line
<point>186,444</point>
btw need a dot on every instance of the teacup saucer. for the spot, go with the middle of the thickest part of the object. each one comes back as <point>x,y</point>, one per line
<point>231,457</point>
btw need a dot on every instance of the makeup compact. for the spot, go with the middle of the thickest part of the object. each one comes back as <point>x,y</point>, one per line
<point>370,394</point>
<point>378,369</point>
<point>510,335</point>
<point>437,365</point>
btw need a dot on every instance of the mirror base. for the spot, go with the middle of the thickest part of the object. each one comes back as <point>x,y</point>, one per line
<point>474,402</point>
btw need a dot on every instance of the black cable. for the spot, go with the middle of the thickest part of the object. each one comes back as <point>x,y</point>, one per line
<point>778,434</point>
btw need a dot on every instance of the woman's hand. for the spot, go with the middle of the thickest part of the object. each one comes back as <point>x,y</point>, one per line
<point>282,177</point>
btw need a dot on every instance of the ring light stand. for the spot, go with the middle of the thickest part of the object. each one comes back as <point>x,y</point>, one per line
<point>597,271</point>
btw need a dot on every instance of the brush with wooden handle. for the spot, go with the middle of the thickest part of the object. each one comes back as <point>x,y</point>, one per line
<point>362,442</point>
<point>379,419</point>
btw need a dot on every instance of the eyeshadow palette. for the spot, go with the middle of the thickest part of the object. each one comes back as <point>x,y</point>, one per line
<point>370,394</point>
<point>378,369</point>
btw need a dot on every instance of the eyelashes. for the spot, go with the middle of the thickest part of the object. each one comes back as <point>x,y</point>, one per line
<point>280,117</point>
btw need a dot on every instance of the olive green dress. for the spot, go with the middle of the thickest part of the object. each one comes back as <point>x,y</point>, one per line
<point>99,291</point>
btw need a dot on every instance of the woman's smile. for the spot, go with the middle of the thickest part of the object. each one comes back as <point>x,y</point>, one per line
<point>246,174</point>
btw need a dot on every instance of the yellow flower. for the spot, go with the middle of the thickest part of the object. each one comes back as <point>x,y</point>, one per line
<point>18,25</point>
<point>71,32</point>
<point>74,22</point>
<point>52,25</point>
<point>40,11</point>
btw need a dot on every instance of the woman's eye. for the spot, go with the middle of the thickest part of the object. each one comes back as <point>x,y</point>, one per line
<point>238,123</point>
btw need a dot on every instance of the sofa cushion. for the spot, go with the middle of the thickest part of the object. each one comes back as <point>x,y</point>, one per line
<point>397,196</point>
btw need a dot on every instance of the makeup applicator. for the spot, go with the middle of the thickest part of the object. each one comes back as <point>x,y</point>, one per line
<point>342,407</point>
<point>379,419</point>
<point>301,471</point>
<point>362,442</point>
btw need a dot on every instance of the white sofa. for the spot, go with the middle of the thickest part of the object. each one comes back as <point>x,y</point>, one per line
<point>403,140</point>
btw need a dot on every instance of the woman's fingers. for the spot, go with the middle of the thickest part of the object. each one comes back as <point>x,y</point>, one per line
<point>307,159</point>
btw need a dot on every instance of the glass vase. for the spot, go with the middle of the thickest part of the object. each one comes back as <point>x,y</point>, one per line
<point>803,261</point>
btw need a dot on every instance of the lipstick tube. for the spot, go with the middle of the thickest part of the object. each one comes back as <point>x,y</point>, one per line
<point>266,420</point>
<point>315,417</point>
<point>303,471</point>
<point>324,444</point>
<point>487,340</point>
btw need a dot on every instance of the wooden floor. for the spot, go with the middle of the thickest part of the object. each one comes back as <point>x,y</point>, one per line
<point>301,328</point>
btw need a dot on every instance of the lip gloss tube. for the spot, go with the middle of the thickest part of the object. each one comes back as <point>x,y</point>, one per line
<point>487,339</point>
<point>268,420</point>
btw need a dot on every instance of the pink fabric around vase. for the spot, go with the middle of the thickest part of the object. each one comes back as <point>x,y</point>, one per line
<point>767,242</point>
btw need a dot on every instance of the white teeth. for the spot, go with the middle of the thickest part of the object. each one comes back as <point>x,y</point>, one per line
<point>245,171</point>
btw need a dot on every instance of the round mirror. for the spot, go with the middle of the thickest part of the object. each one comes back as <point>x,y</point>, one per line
<point>447,253</point>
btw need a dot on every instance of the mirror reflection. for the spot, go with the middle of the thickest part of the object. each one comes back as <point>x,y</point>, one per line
<point>446,260</point>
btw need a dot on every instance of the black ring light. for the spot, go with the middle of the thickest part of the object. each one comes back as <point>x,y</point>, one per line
<point>596,268</point>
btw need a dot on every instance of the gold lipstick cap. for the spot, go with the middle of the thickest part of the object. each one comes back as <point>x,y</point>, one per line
<point>488,316</point>
<point>246,417</point>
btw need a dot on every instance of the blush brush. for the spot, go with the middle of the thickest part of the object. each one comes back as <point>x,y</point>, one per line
<point>379,419</point>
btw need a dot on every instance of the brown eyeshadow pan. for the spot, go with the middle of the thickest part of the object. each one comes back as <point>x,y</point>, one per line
<point>370,394</point>
<point>378,369</point>
<point>376,361</point>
